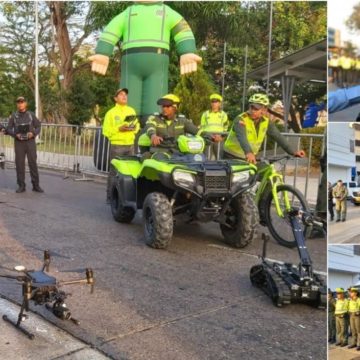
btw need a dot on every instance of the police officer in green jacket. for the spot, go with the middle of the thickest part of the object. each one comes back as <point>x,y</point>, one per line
<point>215,123</point>
<point>250,129</point>
<point>168,124</point>
<point>340,194</point>
<point>145,29</point>
<point>120,127</point>
<point>341,310</point>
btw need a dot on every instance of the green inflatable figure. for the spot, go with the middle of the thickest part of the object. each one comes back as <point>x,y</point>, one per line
<point>145,29</point>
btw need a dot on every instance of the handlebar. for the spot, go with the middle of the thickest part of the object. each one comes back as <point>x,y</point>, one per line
<point>274,159</point>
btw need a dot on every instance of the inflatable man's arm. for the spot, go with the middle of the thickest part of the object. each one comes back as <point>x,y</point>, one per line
<point>343,98</point>
<point>185,42</point>
<point>105,46</point>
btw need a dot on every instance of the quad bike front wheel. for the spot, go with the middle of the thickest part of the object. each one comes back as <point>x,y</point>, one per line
<point>158,220</point>
<point>241,221</point>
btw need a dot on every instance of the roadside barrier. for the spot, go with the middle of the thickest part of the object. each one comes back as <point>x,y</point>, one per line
<point>84,150</point>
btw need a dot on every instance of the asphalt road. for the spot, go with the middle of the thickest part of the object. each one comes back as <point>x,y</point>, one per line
<point>347,232</point>
<point>191,301</point>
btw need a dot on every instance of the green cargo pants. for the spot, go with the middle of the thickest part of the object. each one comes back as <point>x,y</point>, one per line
<point>355,329</point>
<point>340,207</point>
<point>340,329</point>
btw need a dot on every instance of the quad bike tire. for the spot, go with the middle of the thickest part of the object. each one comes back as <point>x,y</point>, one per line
<point>158,220</point>
<point>242,219</point>
<point>121,213</point>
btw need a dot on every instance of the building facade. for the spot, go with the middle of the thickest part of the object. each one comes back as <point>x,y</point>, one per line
<point>344,266</point>
<point>341,151</point>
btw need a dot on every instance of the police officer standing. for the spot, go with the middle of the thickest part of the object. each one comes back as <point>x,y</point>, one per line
<point>24,127</point>
<point>354,313</point>
<point>169,123</point>
<point>341,309</point>
<point>340,194</point>
<point>120,127</point>
<point>331,318</point>
<point>215,123</point>
<point>250,129</point>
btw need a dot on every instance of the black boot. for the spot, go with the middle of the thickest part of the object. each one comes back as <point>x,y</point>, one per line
<point>21,189</point>
<point>37,188</point>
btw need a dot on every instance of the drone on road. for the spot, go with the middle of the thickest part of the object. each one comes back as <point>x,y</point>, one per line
<point>43,289</point>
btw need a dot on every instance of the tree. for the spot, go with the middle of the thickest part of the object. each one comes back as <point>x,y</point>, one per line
<point>67,42</point>
<point>194,90</point>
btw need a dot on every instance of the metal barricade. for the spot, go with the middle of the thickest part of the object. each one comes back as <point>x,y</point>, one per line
<point>297,172</point>
<point>84,150</point>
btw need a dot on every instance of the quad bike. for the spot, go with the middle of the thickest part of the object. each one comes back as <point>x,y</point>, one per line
<point>177,179</point>
<point>287,283</point>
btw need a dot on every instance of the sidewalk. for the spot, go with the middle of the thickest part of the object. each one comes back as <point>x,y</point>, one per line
<point>50,342</point>
<point>338,353</point>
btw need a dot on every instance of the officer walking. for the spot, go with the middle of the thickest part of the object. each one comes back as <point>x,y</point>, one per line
<point>24,126</point>
<point>215,123</point>
<point>340,193</point>
<point>120,127</point>
<point>354,313</point>
<point>341,309</point>
<point>169,123</point>
<point>331,318</point>
<point>250,129</point>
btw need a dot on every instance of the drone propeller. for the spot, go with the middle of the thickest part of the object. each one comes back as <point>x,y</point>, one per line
<point>78,270</point>
<point>18,278</point>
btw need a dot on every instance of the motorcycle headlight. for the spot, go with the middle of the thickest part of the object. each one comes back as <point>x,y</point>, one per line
<point>183,178</point>
<point>240,177</point>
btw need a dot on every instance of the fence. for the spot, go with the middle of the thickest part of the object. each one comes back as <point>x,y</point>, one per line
<point>83,150</point>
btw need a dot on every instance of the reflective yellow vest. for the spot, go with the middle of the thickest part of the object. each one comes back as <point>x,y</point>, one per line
<point>341,306</point>
<point>357,66</point>
<point>345,62</point>
<point>214,122</point>
<point>115,118</point>
<point>354,305</point>
<point>334,62</point>
<point>255,138</point>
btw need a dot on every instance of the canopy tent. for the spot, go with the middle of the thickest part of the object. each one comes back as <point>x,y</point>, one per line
<point>306,64</point>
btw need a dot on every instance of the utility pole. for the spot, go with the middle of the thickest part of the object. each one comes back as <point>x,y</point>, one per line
<point>36,60</point>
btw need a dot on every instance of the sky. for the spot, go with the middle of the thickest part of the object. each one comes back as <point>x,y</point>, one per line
<point>338,13</point>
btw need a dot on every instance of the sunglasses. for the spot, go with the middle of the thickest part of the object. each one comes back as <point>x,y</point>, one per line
<point>214,101</point>
<point>166,106</point>
<point>20,101</point>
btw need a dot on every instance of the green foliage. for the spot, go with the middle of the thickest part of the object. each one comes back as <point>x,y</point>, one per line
<point>316,145</point>
<point>80,100</point>
<point>295,24</point>
<point>353,22</point>
<point>194,91</point>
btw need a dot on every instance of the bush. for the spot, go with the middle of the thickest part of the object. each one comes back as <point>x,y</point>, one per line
<point>316,144</point>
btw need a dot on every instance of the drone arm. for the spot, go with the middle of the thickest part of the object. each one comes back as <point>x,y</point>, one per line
<point>89,280</point>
